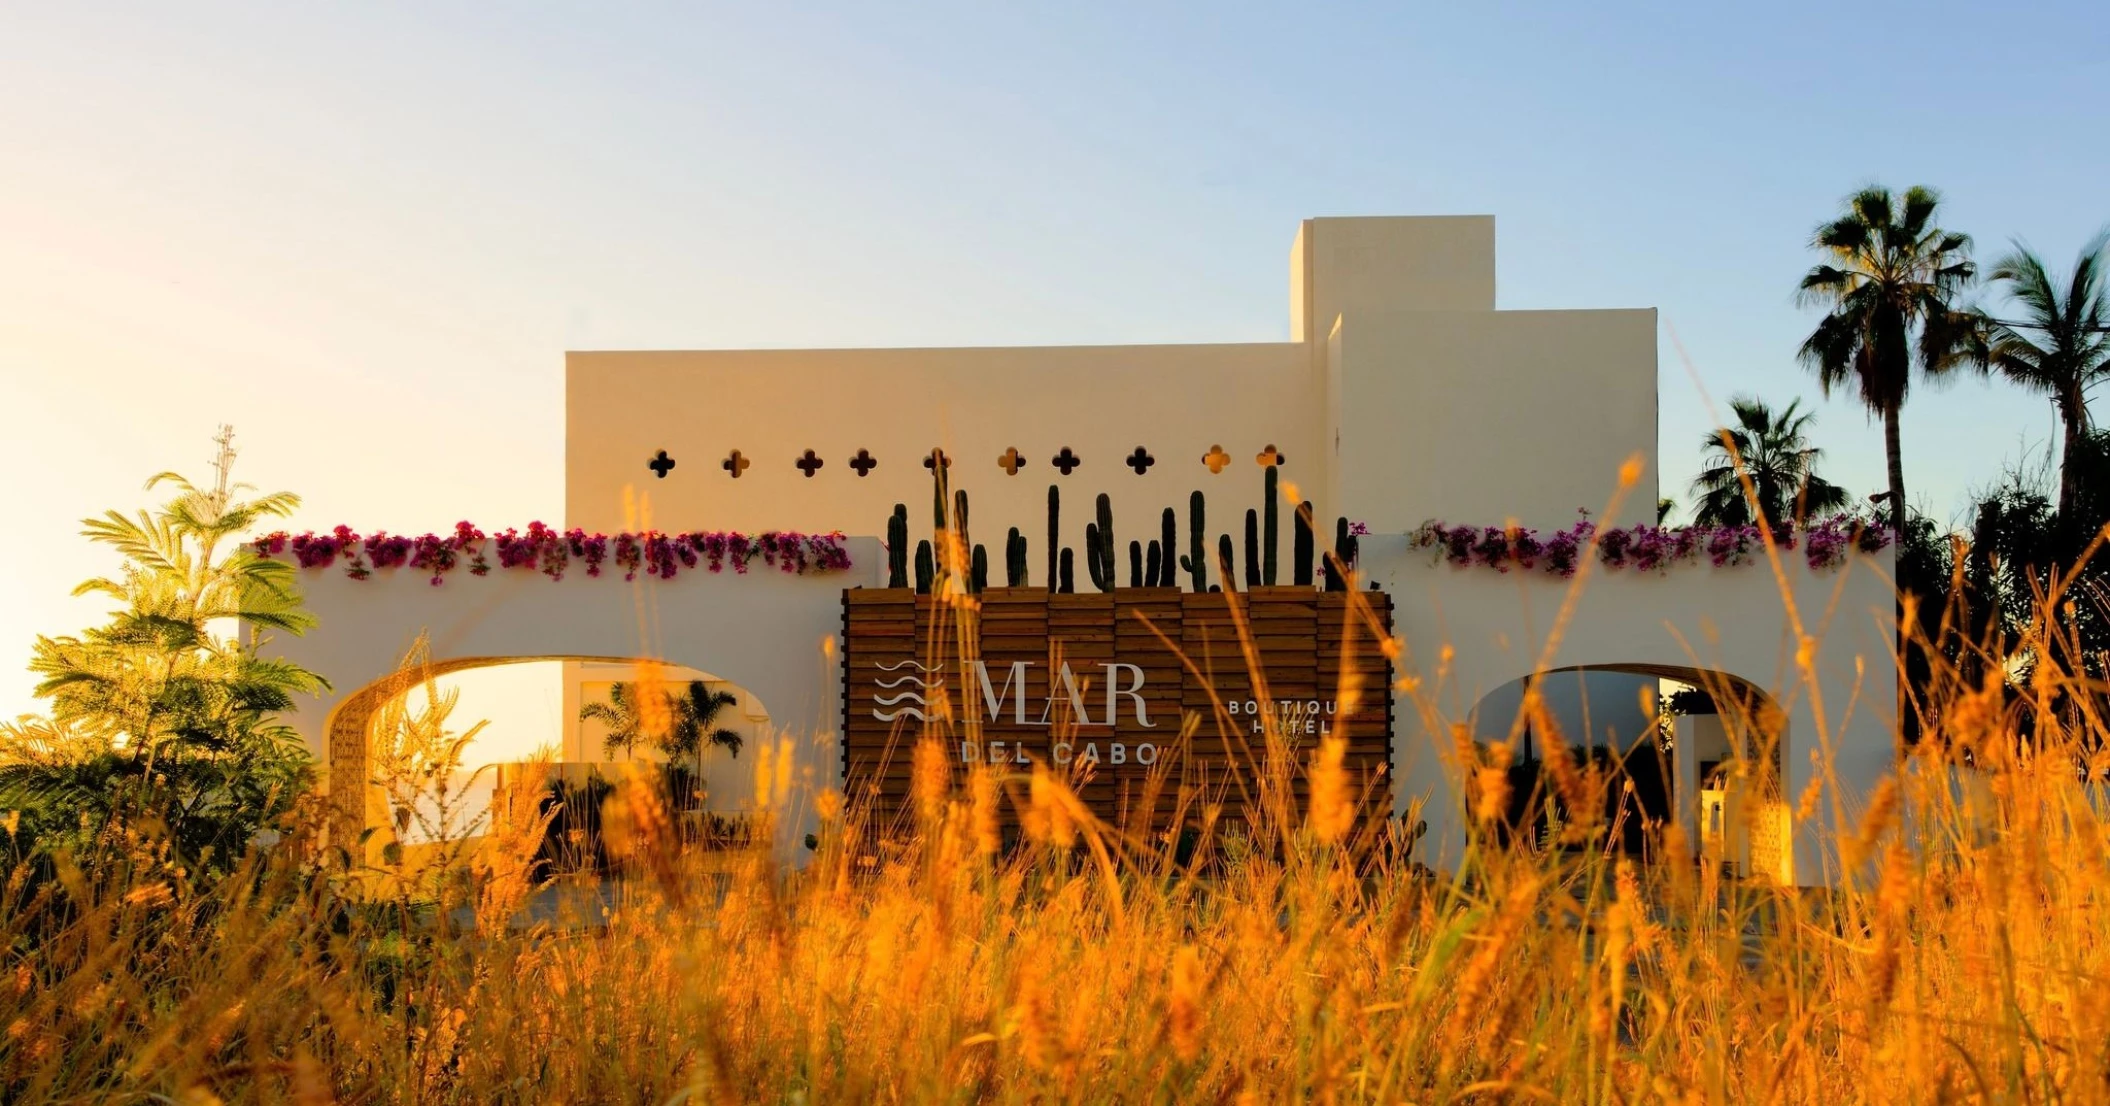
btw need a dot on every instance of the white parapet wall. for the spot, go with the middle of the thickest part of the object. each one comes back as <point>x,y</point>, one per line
<point>773,633</point>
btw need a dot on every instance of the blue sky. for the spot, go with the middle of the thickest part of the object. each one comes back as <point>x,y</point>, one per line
<point>365,234</point>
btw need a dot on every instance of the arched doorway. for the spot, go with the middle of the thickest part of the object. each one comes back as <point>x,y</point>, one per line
<point>578,744</point>
<point>1666,741</point>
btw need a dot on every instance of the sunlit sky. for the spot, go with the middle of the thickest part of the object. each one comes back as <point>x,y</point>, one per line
<point>365,234</point>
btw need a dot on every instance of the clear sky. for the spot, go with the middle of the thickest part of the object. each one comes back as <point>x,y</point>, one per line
<point>365,234</point>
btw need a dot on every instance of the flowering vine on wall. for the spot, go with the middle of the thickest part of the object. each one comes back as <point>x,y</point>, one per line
<point>1823,544</point>
<point>550,551</point>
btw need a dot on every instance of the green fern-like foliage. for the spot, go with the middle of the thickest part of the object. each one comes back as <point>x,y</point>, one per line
<point>167,715</point>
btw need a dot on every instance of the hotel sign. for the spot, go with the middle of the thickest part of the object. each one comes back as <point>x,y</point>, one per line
<point>1100,685</point>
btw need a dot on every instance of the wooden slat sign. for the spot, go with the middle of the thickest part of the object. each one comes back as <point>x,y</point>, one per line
<point>1102,687</point>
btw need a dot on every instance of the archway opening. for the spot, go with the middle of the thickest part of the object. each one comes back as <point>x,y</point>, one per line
<point>563,723</point>
<point>1647,744</point>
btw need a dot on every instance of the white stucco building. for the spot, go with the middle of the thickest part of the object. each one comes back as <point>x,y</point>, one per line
<point>1402,395</point>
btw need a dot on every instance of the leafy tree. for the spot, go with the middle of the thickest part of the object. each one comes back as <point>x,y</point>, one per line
<point>2059,346</point>
<point>1888,287</point>
<point>162,719</point>
<point>1772,450</point>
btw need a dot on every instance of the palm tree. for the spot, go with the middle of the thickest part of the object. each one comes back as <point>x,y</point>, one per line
<point>689,721</point>
<point>1772,450</point>
<point>2060,346</point>
<point>1888,287</point>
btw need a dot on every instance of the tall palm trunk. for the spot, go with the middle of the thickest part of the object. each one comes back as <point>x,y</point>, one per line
<point>1894,456</point>
<point>2073,414</point>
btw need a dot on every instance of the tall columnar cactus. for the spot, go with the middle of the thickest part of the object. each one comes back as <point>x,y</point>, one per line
<point>978,571</point>
<point>1135,564</point>
<point>1194,560</point>
<point>1054,534</point>
<point>1154,567</point>
<point>1223,560</point>
<point>962,543</point>
<point>1069,579</point>
<point>1335,579</point>
<point>1091,556</point>
<point>1106,541</point>
<point>926,570</point>
<point>939,493</point>
<point>1269,533</point>
<point>897,547</point>
<point>941,536</point>
<point>1302,546</point>
<point>1168,534</point>
<point>1015,559</point>
<point>1350,547</point>
<point>1252,548</point>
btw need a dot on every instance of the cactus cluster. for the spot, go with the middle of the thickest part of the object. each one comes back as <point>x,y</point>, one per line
<point>1156,563</point>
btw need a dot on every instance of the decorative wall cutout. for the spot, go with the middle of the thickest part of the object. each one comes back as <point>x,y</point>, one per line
<point>660,464</point>
<point>864,462</point>
<point>1270,457</point>
<point>735,464</point>
<point>1216,459</point>
<point>1011,461</point>
<point>1140,460</point>
<point>1066,461</point>
<point>937,457</point>
<point>809,464</point>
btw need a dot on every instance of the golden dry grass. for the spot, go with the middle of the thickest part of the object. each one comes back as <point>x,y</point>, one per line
<point>1967,961</point>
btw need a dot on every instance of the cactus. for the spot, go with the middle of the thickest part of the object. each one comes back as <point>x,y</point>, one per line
<point>926,570</point>
<point>1252,547</point>
<point>1336,580</point>
<point>1015,559</point>
<point>1269,533</point>
<point>1069,580</point>
<point>1168,534</point>
<point>1135,564</point>
<point>1154,568</point>
<point>1346,547</point>
<point>1194,561</point>
<point>978,571</point>
<point>1106,541</point>
<point>1091,556</point>
<point>959,514</point>
<point>1223,558</point>
<point>941,556</point>
<point>1302,546</point>
<point>939,494</point>
<point>1054,533</point>
<point>897,547</point>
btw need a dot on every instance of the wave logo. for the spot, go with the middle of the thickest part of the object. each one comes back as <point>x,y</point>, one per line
<point>907,702</point>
